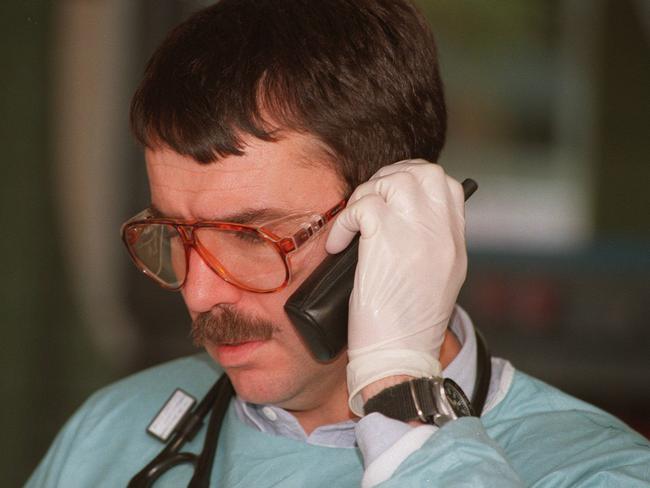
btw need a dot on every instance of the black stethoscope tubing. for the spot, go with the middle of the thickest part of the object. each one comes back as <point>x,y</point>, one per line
<point>219,397</point>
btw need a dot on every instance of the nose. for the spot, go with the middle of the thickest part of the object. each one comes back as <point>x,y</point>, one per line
<point>205,289</point>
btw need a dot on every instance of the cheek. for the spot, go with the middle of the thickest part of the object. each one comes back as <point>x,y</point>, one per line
<point>306,261</point>
<point>272,304</point>
<point>301,265</point>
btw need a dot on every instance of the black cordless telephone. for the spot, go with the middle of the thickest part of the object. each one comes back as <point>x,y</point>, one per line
<point>319,307</point>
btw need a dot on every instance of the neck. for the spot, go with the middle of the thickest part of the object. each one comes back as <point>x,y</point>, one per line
<point>450,349</point>
<point>336,409</point>
<point>333,411</point>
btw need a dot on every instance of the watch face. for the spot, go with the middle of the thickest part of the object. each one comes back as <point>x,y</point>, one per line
<point>457,399</point>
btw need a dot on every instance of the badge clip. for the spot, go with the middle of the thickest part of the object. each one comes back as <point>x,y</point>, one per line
<point>171,415</point>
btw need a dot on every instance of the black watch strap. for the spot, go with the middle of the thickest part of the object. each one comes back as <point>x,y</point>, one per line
<point>398,401</point>
<point>402,401</point>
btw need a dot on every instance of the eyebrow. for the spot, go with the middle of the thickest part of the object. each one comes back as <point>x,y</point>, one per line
<point>246,216</point>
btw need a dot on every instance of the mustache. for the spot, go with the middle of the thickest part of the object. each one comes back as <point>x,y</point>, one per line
<point>230,326</point>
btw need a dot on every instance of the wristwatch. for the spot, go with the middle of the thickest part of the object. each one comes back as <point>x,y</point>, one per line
<point>432,400</point>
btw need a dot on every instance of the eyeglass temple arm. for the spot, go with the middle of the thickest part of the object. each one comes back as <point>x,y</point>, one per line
<point>311,228</point>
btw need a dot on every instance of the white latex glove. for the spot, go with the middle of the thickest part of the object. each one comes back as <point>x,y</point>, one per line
<point>412,263</point>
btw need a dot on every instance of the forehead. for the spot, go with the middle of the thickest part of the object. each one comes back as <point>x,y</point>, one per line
<point>292,174</point>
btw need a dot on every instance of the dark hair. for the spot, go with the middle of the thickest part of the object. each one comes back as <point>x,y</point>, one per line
<point>360,75</point>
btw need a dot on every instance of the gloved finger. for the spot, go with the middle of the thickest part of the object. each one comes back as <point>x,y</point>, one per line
<point>399,190</point>
<point>364,215</point>
<point>438,185</point>
<point>429,176</point>
<point>457,195</point>
<point>401,166</point>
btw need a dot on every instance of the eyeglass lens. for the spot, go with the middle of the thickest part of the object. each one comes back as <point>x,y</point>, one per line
<point>242,255</point>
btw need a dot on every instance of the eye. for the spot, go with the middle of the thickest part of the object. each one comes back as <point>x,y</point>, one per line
<point>252,238</point>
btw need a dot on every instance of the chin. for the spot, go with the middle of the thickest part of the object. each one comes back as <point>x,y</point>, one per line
<point>260,387</point>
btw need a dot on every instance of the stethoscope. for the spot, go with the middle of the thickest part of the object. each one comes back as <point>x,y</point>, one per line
<point>217,401</point>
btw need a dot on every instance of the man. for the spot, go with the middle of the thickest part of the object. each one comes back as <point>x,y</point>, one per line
<point>259,118</point>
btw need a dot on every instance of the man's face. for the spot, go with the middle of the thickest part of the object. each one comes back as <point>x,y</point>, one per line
<point>289,176</point>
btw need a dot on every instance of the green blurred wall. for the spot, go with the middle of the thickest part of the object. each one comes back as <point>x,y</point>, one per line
<point>45,368</point>
<point>48,364</point>
<point>622,155</point>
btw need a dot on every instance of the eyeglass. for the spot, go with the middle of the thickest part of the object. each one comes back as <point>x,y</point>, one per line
<point>252,257</point>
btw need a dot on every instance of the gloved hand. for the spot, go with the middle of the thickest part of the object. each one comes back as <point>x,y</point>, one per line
<point>412,263</point>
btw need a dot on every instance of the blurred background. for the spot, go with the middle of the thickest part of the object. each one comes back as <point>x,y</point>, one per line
<point>549,111</point>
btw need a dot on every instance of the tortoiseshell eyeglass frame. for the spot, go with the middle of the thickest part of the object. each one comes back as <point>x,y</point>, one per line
<point>285,245</point>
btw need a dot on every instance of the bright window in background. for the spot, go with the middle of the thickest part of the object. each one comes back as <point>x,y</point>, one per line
<point>518,78</point>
